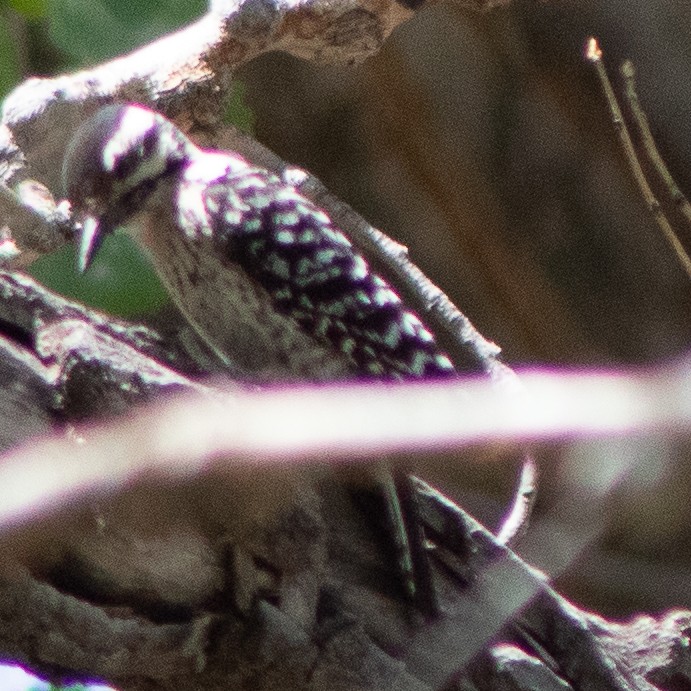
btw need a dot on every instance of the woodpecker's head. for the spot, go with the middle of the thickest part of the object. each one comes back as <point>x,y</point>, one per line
<point>113,163</point>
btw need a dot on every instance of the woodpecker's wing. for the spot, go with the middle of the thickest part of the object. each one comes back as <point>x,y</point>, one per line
<point>313,274</point>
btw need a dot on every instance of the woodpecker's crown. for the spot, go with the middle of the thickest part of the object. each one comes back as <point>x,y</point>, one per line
<point>113,163</point>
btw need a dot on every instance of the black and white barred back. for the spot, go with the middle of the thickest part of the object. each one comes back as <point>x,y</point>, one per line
<point>312,273</point>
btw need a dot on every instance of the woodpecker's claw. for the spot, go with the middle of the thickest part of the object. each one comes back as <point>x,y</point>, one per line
<point>89,240</point>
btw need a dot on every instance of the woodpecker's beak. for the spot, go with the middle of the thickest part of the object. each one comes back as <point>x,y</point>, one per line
<point>89,241</point>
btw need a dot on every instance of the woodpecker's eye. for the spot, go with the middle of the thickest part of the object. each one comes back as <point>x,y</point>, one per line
<point>127,164</point>
<point>140,155</point>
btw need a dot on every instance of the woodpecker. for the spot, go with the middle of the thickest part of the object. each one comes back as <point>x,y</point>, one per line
<point>260,271</point>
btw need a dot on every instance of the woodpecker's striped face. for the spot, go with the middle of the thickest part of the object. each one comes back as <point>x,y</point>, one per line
<point>113,163</point>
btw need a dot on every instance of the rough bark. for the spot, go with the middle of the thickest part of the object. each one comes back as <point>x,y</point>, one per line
<point>226,580</point>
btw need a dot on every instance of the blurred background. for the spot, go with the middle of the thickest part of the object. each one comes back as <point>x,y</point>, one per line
<point>483,143</point>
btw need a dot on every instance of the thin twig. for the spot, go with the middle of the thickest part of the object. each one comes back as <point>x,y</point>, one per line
<point>515,524</point>
<point>628,72</point>
<point>594,55</point>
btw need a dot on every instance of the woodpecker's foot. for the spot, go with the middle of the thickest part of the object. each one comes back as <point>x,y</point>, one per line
<point>415,564</point>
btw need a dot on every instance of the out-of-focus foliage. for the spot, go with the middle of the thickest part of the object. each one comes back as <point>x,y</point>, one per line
<point>9,62</point>
<point>90,31</point>
<point>52,36</point>
<point>31,9</point>
<point>121,281</point>
<point>237,110</point>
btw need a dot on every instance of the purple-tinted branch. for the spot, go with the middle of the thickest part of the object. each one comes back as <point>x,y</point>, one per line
<point>246,429</point>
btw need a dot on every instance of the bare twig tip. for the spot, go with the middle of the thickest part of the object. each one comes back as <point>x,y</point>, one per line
<point>593,51</point>
<point>628,70</point>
